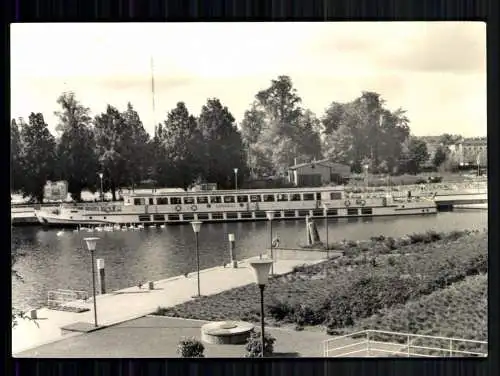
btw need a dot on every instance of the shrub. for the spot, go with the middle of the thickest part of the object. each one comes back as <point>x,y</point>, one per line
<point>391,261</point>
<point>253,346</point>
<point>379,238</point>
<point>305,314</point>
<point>190,348</point>
<point>390,243</point>
<point>279,309</point>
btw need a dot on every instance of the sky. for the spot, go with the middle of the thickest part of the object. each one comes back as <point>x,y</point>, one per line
<point>436,71</point>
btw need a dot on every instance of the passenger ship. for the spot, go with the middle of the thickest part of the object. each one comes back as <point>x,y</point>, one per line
<point>235,205</point>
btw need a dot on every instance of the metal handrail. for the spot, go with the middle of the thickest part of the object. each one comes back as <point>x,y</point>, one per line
<point>371,345</point>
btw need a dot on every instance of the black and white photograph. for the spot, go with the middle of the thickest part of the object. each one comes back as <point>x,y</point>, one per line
<point>248,190</point>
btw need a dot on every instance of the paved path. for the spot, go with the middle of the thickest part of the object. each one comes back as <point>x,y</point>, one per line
<point>132,303</point>
<point>157,336</point>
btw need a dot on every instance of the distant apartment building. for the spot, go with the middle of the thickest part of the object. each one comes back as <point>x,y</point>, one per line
<point>318,173</point>
<point>471,151</point>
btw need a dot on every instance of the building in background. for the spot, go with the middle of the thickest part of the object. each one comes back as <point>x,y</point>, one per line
<point>471,152</point>
<point>55,191</point>
<point>318,173</point>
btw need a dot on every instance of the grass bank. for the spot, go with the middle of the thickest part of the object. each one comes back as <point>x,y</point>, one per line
<point>371,276</point>
<point>460,310</point>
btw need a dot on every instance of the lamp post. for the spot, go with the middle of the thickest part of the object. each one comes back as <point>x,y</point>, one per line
<point>325,208</point>
<point>91,244</point>
<point>196,228</point>
<point>235,178</point>
<point>366,177</point>
<point>261,270</point>
<point>270,217</point>
<point>102,193</point>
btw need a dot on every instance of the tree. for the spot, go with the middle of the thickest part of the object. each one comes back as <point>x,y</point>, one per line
<point>183,144</point>
<point>223,149</point>
<point>77,159</point>
<point>17,173</point>
<point>282,131</point>
<point>135,141</point>
<point>160,165</point>
<point>37,156</point>
<point>111,140</point>
<point>363,130</point>
<point>440,156</point>
<point>415,154</point>
<point>307,136</point>
<point>252,125</point>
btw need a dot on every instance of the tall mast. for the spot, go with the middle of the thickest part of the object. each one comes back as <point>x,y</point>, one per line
<point>153,90</point>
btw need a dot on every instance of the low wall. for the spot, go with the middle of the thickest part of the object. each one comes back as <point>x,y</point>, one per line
<point>302,254</point>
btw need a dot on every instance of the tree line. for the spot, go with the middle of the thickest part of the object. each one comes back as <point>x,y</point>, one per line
<point>186,149</point>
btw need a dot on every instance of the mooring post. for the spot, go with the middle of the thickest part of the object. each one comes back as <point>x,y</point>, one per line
<point>102,283</point>
<point>308,233</point>
<point>234,263</point>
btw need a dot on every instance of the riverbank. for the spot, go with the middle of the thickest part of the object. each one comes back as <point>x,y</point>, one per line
<point>372,275</point>
<point>134,302</point>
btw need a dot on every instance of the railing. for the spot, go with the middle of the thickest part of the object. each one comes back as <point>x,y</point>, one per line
<point>60,298</point>
<point>375,343</point>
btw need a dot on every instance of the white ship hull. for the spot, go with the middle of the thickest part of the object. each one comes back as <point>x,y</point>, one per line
<point>168,214</point>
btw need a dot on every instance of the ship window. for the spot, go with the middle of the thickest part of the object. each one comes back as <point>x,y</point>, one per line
<point>151,201</point>
<point>282,197</point>
<point>217,216</point>
<point>137,201</point>
<point>158,217</point>
<point>318,213</point>
<point>188,217</point>
<point>318,196</point>
<point>228,199</point>
<point>268,198</point>
<point>173,217</point>
<point>242,198</point>
<point>215,199</point>
<point>162,201</point>
<point>308,196</point>
<point>335,196</point>
<point>202,200</point>
<point>303,213</point>
<point>255,198</point>
<point>189,200</point>
<point>260,214</point>
<point>295,197</point>
<point>203,216</point>
<point>290,213</point>
<point>246,215</point>
<point>332,212</point>
<point>277,214</point>
<point>367,211</point>
<point>232,215</point>
<point>144,218</point>
<point>175,200</point>
<point>352,211</point>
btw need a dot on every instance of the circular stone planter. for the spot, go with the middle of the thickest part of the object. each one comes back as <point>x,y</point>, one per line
<point>226,332</point>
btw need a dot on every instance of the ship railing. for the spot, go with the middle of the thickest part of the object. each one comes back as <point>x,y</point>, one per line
<point>380,343</point>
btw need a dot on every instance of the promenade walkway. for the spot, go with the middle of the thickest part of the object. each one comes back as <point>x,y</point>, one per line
<point>132,303</point>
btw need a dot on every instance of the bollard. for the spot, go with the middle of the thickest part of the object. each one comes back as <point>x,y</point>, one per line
<point>308,239</point>
<point>151,285</point>
<point>234,263</point>
<point>102,283</point>
<point>33,314</point>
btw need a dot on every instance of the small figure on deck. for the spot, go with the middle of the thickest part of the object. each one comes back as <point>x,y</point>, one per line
<point>186,274</point>
<point>140,285</point>
<point>276,242</point>
<point>409,194</point>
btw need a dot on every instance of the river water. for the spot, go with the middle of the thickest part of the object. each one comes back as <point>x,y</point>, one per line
<point>52,262</point>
